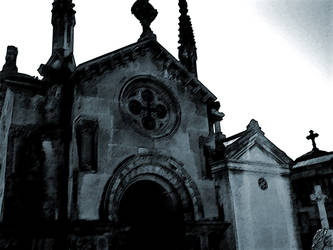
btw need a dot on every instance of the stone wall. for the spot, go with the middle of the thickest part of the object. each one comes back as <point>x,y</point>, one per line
<point>256,196</point>
<point>97,100</point>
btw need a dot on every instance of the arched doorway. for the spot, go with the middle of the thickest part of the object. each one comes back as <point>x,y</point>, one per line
<point>151,218</point>
<point>151,200</point>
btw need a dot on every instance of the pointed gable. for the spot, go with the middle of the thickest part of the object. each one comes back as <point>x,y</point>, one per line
<point>130,53</point>
<point>252,146</point>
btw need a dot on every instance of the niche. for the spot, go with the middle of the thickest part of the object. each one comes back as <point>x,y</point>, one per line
<point>86,138</point>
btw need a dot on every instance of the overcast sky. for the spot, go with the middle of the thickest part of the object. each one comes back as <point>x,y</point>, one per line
<point>270,60</point>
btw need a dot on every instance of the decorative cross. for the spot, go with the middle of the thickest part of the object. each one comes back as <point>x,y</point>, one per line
<point>313,137</point>
<point>319,198</point>
<point>147,109</point>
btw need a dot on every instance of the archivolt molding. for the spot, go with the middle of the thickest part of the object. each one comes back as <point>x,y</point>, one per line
<point>163,170</point>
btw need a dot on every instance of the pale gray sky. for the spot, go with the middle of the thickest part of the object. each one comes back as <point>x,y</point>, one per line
<point>269,60</point>
<point>309,23</point>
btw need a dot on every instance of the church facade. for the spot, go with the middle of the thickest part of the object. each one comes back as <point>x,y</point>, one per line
<point>125,151</point>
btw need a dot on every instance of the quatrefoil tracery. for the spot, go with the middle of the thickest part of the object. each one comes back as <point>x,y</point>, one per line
<point>150,107</point>
<point>151,112</point>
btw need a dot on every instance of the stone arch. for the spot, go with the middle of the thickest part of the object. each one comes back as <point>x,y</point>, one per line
<point>165,171</point>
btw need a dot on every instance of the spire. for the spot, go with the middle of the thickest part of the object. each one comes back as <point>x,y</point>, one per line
<point>187,50</point>
<point>63,21</point>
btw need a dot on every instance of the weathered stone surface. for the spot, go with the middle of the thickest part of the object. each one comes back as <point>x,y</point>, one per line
<point>250,176</point>
<point>323,239</point>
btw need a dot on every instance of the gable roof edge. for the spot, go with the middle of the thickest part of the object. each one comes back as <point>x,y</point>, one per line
<point>129,53</point>
<point>252,137</point>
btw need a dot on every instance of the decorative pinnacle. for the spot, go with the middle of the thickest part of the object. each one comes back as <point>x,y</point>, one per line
<point>254,126</point>
<point>313,137</point>
<point>187,50</point>
<point>217,116</point>
<point>10,65</point>
<point>63,8</point>
<point>146,14</point>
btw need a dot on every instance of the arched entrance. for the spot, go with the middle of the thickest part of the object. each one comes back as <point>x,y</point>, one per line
<point>151,200</point>
<point>151,218</point>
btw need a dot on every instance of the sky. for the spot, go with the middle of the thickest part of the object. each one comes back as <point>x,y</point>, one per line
<point>269,60</point>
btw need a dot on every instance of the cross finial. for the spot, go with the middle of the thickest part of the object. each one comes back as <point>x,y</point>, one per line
<point>146,14</point>
<point>313,137</point>
<point>319,198</point>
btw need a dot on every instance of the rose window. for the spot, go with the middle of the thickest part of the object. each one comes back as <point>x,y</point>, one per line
<point>150,107</point>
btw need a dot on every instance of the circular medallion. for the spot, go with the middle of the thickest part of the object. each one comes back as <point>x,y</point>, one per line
<point>149,107</point>
<point>263,183</point>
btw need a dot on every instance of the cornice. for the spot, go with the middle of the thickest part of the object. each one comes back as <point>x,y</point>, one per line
<point>250,166</point>
<point>123,56</point>
<point>251,138</point>
<point>23,82</point>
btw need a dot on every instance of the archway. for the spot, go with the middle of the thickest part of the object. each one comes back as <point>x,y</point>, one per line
<point>151,218</point>
<point>168,191</point>
<point>165,171</point>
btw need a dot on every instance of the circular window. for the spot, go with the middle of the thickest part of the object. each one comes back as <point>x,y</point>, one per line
<point>149,107</point>
<point>263,183</point>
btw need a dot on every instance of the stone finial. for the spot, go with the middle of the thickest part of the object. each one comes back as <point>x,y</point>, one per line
<point>254,126</point>
<point>187,51</point>
<point>63,8</point>
<point>312,136</point>
<point>61,63</point>
<point>11,56</point>
<point>146,14</point>
<point>217,116</point>
<point>63,21</point>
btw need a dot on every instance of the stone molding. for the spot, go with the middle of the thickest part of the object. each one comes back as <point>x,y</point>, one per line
<point>123,56</point>
<point>130,91</point>
<point>163,170</point>
<point>253,136</point>
<point>249,166</point>
<point>19,82</point>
